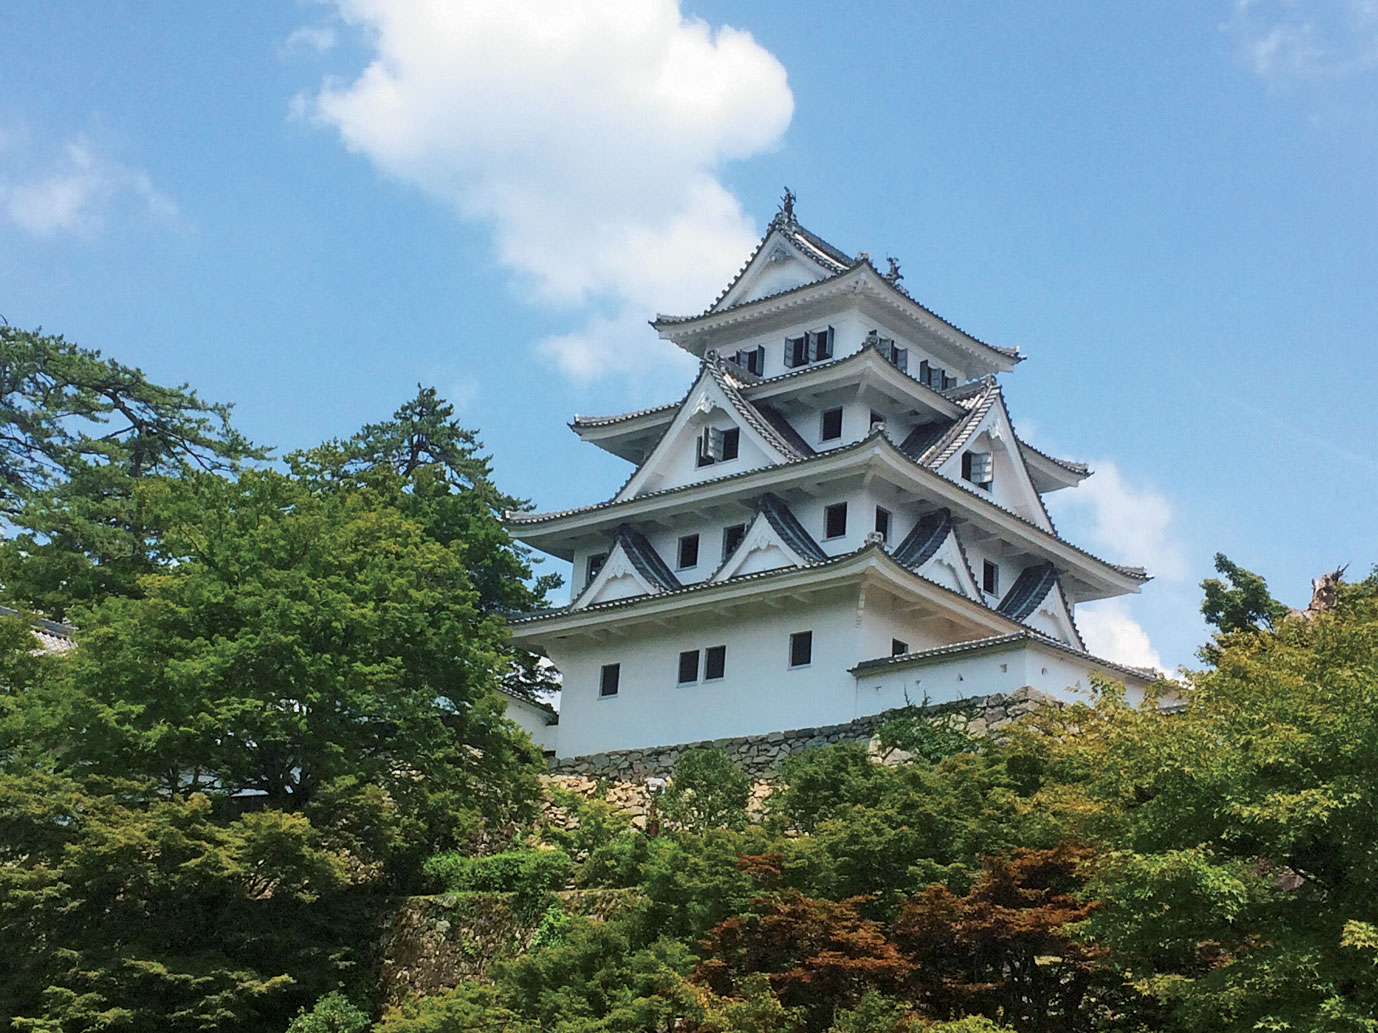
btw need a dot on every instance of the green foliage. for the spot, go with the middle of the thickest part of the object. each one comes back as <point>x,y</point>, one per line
<point>554,928</point>
<point>1239,604</point>
<point>333,1013</point>
<point>528,872</point>
<point>708,791</point>
<point>924,735</point>
<point>1245,855</point>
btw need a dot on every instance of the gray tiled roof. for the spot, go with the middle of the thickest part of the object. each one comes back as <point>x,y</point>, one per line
<point>924,437</point>
<point>53,636</point>
<point>997,642</point>
<point>645,559</point>
<point>1080,469</point>
<point>518,519</point>
<point>961,431</point>
<point>788,527</point>
<point>604,421</point>
<point>784,428</point>
<point>1029,589</point>
<point>923,541</point>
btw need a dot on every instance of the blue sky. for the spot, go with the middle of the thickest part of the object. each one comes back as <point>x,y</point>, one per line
<point>1170,208</point>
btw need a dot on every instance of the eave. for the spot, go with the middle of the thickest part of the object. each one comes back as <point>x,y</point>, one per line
<point>773,585</point>
<point>1050,471</point>
<point>860,279</point>
<point>551,532</point>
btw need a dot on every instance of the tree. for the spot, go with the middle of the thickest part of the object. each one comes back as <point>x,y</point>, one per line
<point>77,433</point>
<point>433,469</point>
<point>1239,604</point>
<point>301,639</point>
<point>123,909</point>
<point>708,791</point>
<point>1240,888</point>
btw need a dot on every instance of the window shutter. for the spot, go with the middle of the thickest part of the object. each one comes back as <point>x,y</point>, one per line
<point>756,360</point>
<point>792,351</point>
<point>982,467</point>
<point>923,372</point>
<point>901,359</point>
<point>712,439</point>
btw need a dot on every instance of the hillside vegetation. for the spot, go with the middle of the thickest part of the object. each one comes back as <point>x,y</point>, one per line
<point>282,721</point>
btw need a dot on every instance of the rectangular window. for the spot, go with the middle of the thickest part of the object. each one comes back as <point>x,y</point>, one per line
<point>835,520</point>
<point>731,538</point>
<point>832,424</point>
<point>796,351</point>
<point>689,551</point>
<point>883,523</point>
<point>595,564</point>
<point>607,683</point>
<point>900,358</point>
<point>801,649</point>
<point>688,666</point>
<point>978,468</point>
<point>714,662</point>
<point>990,578</point>
<point>820,344</point>
<point>898,648</point>
<point>731,443</point>
<point>709,446</point>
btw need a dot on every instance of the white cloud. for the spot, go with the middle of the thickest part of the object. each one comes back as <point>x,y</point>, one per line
<point>78,191</point>
<point>310,39</point>
<point>1290,39</point>
<point>1110,632</point>
<point>587,133</point>
<point>1128,523</point>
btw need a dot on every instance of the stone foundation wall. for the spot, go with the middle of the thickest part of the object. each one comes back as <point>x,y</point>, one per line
<point>760,755</point>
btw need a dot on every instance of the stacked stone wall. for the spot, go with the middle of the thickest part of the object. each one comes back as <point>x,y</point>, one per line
<point>624,777</point>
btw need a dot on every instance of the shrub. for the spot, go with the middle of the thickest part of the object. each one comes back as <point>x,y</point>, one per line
<point>333,1013</point>
<point>528,873</point>
<point>708,791</point>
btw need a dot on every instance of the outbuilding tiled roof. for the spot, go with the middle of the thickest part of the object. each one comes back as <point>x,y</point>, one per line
<point>52,636</point>
<point>922,656</point>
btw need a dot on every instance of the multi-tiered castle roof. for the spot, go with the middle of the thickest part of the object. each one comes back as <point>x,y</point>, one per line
<point>839,439</point>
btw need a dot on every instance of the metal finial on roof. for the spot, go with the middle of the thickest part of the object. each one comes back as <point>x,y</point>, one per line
<point>787,205</point>
<point>894,275</point>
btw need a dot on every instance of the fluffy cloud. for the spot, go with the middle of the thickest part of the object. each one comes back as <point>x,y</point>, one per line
<point>1306,38</point>
<point>78,191</point>
<point>587,133</point>
<point>1125,522</point>
<point>1110,631</point>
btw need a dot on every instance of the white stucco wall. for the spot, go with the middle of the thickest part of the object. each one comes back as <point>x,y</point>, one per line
<point>534,721</point>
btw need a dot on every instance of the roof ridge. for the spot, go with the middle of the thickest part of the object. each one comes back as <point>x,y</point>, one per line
<point>603,421</point>
<point>960,432</point>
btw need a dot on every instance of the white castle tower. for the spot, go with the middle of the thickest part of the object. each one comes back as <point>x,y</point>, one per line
<point>836,519</point>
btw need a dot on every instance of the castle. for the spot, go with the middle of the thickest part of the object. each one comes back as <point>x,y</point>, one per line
<point>836,519</point>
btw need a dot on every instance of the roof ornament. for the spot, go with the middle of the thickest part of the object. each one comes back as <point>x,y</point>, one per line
<point>894,275</point>
<point>785,216</point>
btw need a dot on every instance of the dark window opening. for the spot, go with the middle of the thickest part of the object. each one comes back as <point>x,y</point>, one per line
<point>731,538</point>
<point>801,649</point>
<point>820,344</point>
<point>832,424</point>
<point>715,445</point>
<point>607,684</point>
<point>796,351</point>
<point>835,520</point>
<point>689,551</point>
<point>883,523</point>
<point>898,648</point>
<point>688,666</point>
<point>595,564</point>
<point>753,360</point>
<point>876,417</point>
<point>990,577</point>
<point>714,662</point>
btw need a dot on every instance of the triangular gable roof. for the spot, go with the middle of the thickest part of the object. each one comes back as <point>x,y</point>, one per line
<point>773,532</point>
<point>932,546</point>
<point>632,568</point>
<point>987,413</point>
<point>784,234</point>
<point>714,388</point>
<point>1036,599</point>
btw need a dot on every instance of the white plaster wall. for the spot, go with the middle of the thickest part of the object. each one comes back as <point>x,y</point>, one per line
<point>847,337</point>
<point>979,674</point>
<point>758,694</point>
<point>679,462</point>
<point>534,721</point>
